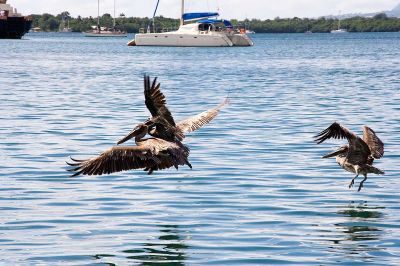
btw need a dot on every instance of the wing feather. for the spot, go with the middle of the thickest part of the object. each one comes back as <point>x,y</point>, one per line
<point>374,143</point>
<point>358,150</point>
<point>335,131</point>
<point>153,153</point>
<point>171,154</point>
<point>155,100</point>
<point>195,122</point>
<point>113,160</point>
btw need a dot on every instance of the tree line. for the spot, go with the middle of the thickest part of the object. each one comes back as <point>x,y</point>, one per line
<point>378,23</point>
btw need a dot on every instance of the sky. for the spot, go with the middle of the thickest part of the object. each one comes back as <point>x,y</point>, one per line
<point>240,9</point>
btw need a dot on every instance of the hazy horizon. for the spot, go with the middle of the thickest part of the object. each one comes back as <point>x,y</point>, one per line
<point>228,9</point>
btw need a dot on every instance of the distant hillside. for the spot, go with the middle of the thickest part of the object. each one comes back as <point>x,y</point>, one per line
<point>395,12</point>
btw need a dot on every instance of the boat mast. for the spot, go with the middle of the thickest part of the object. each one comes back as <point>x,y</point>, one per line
<point>98,15</point>
<point>114,17</point>
<point>154,15</point>
<point>182,11</point>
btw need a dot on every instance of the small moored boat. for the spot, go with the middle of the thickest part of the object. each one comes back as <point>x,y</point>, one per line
<point>339,30</point>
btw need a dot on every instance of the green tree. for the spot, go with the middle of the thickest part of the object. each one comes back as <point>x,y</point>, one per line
<point>380,22</point>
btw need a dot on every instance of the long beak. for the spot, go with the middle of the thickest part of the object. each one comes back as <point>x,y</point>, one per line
<point>131,134</point>
<point>333,154</point>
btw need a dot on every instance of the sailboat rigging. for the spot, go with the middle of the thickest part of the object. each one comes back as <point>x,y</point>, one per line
<point>98,31</point>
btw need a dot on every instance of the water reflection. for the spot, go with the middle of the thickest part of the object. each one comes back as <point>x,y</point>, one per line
<point>360,215</point>
<point>168,249</point>
<point>356,237</point>
<point>362,233</point>
<point>363,221</point>
<point>362,210</point>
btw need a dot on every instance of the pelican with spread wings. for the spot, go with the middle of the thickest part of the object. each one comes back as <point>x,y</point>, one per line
<point>162,125</point>
<point>356,157</point>
<point>149,154</point>
<point>163,150</point>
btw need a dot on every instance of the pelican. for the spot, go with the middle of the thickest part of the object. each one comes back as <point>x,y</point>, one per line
<point>162,125</point>
<point>356,157</point>
<point>149,154</point>
<point>163,150</point>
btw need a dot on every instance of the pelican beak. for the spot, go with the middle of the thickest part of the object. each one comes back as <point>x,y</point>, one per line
<point>136,131</point>
<point>149,122</point>
<point>333,154</point>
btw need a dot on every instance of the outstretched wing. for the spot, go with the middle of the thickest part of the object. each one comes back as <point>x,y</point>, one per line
<point>374,143</point>
<point>335,131</point>
<point>155,100</point>
<point>358,150</point>
<point>115,159</point>
<point>195,122</point>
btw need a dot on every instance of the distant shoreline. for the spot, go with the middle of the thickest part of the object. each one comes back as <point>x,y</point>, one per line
<point>378,23</point>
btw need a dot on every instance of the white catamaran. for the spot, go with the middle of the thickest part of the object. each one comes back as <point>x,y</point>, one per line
<point>205,30</point>
<point>98,31</point>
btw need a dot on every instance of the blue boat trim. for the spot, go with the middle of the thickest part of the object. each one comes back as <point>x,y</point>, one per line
<point>201,15</point>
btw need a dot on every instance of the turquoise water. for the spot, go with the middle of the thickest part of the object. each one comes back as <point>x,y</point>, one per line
<point>259,192</point>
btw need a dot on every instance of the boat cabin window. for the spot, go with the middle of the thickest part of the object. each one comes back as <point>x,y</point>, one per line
<point>205,27</point>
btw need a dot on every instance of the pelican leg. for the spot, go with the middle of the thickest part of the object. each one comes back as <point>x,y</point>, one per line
<point>362,182</point>
<point>352,181</point>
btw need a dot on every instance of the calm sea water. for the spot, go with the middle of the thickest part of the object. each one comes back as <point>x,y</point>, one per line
<point>259,192</point>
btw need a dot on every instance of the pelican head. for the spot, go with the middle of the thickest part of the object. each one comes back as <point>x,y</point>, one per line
<point>151,125</point>
<point>339,152</point>
<point>138,132</point>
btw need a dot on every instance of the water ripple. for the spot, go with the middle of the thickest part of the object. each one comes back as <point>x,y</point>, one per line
<point>259,192</point>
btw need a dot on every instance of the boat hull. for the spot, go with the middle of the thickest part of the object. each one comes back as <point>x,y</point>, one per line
<point>14,27</point>
<point>340,31</point>
<point>241,39</point>
<point>190,40</point>
<point>113,35</point>
<point>173,39</point>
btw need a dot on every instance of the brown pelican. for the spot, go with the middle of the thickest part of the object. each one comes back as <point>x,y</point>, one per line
<point>358,156</point>
<point>162,124</point>
<point>149,154</point>
<point>162,151</point>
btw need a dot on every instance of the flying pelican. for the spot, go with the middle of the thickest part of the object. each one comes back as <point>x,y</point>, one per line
<point>162,151</point>
<point>161,124</point>
<point>358,156</point>
<point>149,154</point>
